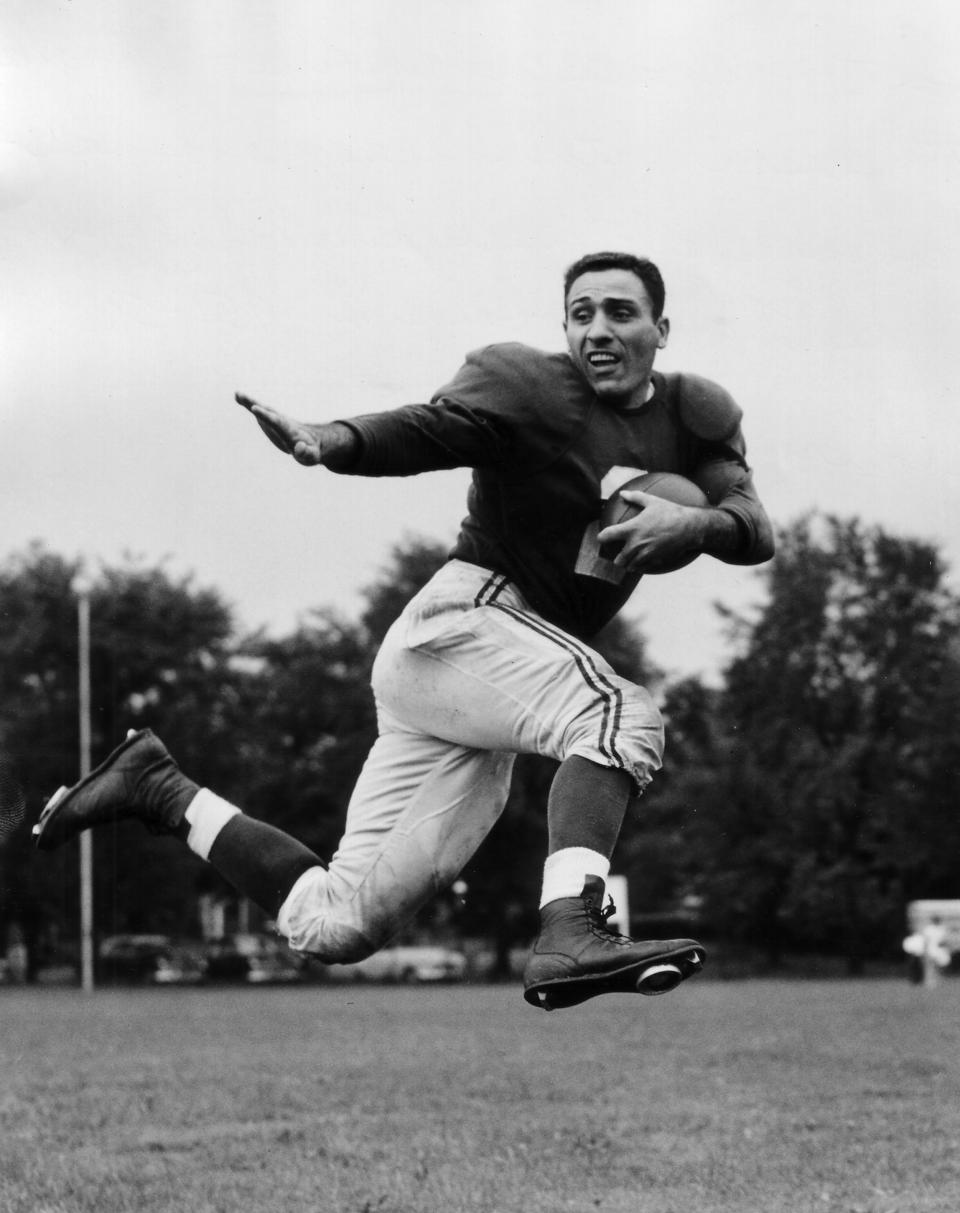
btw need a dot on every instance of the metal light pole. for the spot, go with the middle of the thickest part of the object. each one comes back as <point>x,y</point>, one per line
<point>82,587</point>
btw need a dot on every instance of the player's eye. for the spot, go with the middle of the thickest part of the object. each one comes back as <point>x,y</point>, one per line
<point>580,316</point>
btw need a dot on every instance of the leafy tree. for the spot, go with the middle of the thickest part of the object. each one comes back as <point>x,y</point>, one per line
<point>314,725</point>
<point>38,726</point>
<point>160,657</point>
<point>831,744</point>
<point>38,662</point>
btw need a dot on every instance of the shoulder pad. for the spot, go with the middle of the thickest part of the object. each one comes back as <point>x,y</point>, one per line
<point>510,357</point>
<point>529,373</point>
<point>706,409</point>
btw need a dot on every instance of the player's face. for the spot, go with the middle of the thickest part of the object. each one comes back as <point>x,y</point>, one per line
<point>612,334</point>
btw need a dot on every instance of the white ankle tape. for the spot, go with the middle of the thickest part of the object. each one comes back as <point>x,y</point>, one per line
<point>565,871</point>
<point>207,814</point>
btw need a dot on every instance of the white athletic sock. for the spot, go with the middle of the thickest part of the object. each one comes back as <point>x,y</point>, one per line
<point>207,814</point>
<point>567,869</point>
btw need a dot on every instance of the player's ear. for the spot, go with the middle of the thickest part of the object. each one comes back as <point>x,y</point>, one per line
<point>663,327</point>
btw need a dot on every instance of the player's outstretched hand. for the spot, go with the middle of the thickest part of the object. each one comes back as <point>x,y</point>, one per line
<point>292,437</point>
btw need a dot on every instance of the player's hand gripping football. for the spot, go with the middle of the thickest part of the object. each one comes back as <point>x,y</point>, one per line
<point>661,531</point>
<point>296,438</point>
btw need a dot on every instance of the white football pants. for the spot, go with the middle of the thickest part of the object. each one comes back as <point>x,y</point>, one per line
<point>466,678</point>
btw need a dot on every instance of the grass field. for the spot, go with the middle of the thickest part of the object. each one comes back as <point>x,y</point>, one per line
<point>724,1096</point>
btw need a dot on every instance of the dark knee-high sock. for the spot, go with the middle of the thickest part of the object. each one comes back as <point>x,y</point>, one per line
<point>586,806</point>
<point>260,861</point>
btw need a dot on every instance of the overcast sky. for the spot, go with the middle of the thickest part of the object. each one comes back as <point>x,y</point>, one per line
<point>326,205</point>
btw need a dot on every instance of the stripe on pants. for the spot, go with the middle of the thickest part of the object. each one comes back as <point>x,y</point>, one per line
<point>610,695</point>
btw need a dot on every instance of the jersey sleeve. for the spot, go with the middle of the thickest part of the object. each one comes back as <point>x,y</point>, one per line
<point>729,486</point>
<point>473,421</point>
<point>713,417</point>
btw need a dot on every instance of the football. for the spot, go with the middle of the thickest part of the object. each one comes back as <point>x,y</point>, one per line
<point>668,485</point>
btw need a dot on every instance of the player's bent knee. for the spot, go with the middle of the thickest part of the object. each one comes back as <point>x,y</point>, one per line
<point>632,739</point>
<point>655,740</point>
<point>330,941</point>
<point>641,736</point>
<point>310,923</point>
<point>325,918</point>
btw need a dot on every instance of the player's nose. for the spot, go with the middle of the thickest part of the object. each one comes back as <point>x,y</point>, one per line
<point>598,330</point>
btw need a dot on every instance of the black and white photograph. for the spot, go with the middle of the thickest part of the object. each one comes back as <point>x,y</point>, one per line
<point>479,606</point>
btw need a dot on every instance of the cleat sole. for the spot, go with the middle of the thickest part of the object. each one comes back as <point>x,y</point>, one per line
<point>659,975</point>
<point>49,807</point>
<point>659,979</point>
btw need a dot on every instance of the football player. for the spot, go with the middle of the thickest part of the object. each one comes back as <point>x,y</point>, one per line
<point>493,658</point>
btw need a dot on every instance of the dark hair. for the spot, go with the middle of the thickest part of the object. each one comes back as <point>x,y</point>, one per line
<point>645,270</point>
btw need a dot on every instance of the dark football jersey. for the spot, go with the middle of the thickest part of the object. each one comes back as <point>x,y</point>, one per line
<point>545,452</point>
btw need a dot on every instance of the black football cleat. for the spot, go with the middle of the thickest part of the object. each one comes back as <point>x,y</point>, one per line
<point>138,780</point>
<point>577,956</point>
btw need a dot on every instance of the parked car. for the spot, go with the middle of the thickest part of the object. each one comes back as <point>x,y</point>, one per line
<point>254,959</point>
<point>149,959</point>
<point>180,967</point>
<point>410,964</point>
